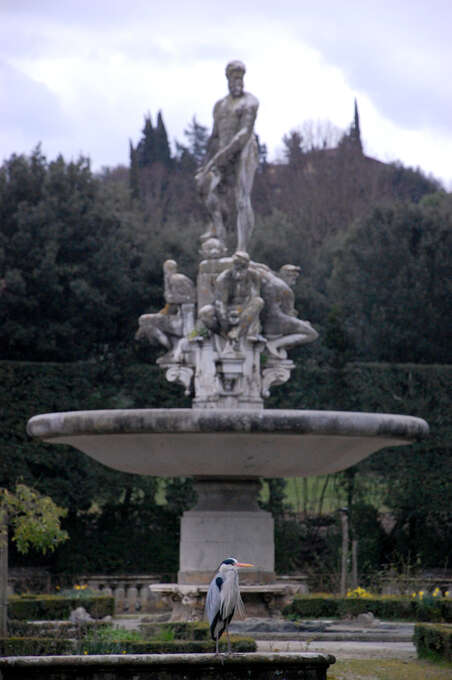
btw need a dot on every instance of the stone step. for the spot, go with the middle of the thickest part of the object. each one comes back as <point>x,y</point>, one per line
<point>357,636</point>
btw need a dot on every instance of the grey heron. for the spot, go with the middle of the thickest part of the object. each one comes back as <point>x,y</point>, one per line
<point>223,598</point>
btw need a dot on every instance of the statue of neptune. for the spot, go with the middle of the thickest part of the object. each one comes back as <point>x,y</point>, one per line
<point>226,177</point>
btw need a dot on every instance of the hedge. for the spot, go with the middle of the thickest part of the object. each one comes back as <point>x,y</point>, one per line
<point>398,608</point>
<point>187,630</point>
<point>57,607</point>
<point>53,628</point>
<point>238,644</point>
<point>433,641</point>
<point>34,646</point>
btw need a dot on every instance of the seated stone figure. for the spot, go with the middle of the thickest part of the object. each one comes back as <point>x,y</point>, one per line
<point>176,319</point>
<point>280,323</point>
<point>237,300</point>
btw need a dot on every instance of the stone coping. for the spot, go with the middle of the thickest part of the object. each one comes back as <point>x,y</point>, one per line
<point>247,422</point>
<point>188,588</point>
<point>165,660</point>
<point>229,442</point>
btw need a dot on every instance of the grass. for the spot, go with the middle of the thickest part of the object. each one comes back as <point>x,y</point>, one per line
<point>304,494</point>
<point>389,669</point>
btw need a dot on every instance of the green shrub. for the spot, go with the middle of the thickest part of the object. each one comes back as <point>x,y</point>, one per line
<point>49,629</point>
<point>201,631</point>
<point>186,630</point>
<point>383,607</point>
<point>312,607</point>
<point>430,607</point>
<point>238,644</point>
<point>34,646</point>
<point>119,641</point>
<point>56,607</point>
<point>433,641</point>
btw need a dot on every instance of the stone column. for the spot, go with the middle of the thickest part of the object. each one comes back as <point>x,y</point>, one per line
<point>226,522</point>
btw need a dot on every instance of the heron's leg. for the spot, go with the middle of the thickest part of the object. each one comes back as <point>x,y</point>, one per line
<point>229,639</point>
<point>216,645</point>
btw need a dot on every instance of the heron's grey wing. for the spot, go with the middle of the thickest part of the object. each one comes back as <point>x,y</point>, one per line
<point>213,599</point>
<point>240,608</point>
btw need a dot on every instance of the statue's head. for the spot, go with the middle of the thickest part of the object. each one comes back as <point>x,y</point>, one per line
<point>241,259</point>
<point>212,249</point>
<point>240,263</point>
<point>170,266</point>
<point>290,273</point>
<point>207,316</point>
<point>235,70</point>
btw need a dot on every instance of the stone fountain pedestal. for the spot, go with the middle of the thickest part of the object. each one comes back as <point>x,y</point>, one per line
<point>226,521</point>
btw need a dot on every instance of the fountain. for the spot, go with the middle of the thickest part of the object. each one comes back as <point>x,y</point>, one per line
<point>227,340</point>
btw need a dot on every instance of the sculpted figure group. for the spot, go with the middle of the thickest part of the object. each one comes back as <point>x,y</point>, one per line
<point>216,332</point>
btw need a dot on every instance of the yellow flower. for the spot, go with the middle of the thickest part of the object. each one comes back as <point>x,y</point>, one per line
<point>76,587</point>
<point>85,652</point>
<point>83,587</point>
<point>447,594</point>
<point>421,594</point>
<point>413,594</point>
<point>123,651</point>
<point>359,592</point>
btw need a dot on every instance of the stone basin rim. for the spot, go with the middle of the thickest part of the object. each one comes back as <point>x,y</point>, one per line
<point>226,421</point>
<point>253,659</point>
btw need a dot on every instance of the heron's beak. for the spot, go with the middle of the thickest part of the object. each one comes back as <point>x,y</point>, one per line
<point>244,564</point>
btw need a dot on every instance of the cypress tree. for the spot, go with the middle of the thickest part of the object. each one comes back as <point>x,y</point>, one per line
<point>355,131</point>
<point>134,173</point>
<point>161,144</point>
<point>146,148</point>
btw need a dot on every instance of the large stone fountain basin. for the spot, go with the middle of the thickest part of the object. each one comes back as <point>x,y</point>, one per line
<point>246,443</point>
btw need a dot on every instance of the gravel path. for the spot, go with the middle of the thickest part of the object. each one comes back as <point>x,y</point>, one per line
<point>343,649</point>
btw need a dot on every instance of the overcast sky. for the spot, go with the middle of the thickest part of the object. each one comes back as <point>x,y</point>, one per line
<point>79,75</point>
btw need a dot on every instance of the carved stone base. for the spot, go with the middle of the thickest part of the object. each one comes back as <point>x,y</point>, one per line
<point>186,602</point>
<point>208,537</point>
<point>226,522</point>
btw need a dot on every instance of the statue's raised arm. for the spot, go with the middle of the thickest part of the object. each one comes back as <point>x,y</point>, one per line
<point>226,178</point>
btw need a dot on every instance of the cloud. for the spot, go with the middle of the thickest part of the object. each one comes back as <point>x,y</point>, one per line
<point>396,54</point>
<point>29,112</point>
<point>105,64</point>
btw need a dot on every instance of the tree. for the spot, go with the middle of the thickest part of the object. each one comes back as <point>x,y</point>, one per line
<point>352,138</point>
<point>293,151</point>
<point>145,148</point>
<point>197,136</point>
<point>391,275</point>
<point>134,178</point>
<point>162,148</point>
<point>35,522</point>
<point>70,256</point>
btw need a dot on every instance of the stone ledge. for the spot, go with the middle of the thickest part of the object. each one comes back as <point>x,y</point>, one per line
<point>187,601</point>
<point>252,666</point>
<point>230,442</point>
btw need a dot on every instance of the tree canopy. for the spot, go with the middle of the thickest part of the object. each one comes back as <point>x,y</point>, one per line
<point>392,278</point>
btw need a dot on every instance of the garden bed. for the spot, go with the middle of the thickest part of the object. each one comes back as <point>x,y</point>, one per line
<point>57,607</point>
<point>401,608</point>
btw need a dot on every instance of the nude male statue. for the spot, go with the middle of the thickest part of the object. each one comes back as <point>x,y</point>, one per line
<point>280,322</point>
<point>176,319</point>
<point>226,178</point>
<point>237,300</point>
